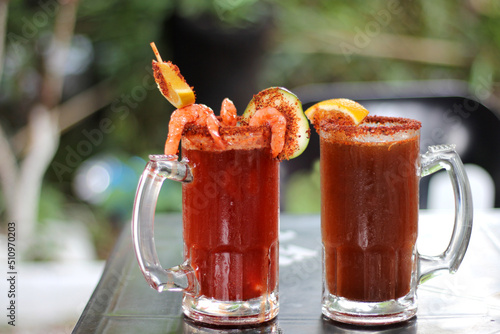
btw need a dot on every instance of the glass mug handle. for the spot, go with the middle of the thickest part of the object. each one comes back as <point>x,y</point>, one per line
<point>178,278</point>
<point>437,158</point>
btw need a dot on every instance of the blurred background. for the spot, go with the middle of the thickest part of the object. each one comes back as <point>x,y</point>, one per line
<point>80,112</point>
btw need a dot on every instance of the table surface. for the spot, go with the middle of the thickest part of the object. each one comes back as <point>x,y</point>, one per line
<point>466,302</point>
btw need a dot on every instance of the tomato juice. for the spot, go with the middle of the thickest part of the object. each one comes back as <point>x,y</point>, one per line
<point>369,212</point>
<point>231,213</point>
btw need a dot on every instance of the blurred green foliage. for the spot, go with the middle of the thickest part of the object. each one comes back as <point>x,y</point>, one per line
<point>311,41</point>
<point>230,13</point>
<point>308,47</point>
<point>302,194</point>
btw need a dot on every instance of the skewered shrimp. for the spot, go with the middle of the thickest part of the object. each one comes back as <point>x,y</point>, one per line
<point>198,114</point>
<point>277,122</point>
<point>228,113</point>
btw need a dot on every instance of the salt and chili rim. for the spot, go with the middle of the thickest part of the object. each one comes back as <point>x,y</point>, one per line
<point>372,129</point>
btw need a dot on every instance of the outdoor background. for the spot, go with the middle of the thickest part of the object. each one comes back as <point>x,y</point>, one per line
<point>80,113</point>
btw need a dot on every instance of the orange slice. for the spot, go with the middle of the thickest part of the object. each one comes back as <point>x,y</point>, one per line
<point>171,82</point>
<point>331,108</point>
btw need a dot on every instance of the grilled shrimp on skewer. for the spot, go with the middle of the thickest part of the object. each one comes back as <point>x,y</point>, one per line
<point>277,122</point>
<point>198,114</point>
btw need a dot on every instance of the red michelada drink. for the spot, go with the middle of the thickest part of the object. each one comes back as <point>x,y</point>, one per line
<point>230,200</point>
<point>231,213</point>
<point>370,168</point>
<point>370,214</point>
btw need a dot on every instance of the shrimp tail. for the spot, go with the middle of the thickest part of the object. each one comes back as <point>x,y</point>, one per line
<point>213,126</point>
<point>228,113</point>
<point>178,120</point>
<point>277,121</point>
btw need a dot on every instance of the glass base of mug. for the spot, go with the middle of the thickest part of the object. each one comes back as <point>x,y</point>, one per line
<point>369,313</point>
<point>216,312</point>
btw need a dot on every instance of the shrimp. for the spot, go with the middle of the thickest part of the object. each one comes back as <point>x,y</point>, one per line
<point>198,114</point>
<point>228,113</point>
<point>277,122</point>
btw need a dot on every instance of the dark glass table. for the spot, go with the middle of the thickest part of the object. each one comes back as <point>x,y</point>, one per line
<point>466,302</point>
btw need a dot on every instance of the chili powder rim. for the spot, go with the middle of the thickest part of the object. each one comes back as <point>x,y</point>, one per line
<point>371,125</point>
<point>237,137</point>
<point>225,130</point>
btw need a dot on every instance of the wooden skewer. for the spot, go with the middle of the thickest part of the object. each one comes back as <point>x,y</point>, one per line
<point>155,50</point>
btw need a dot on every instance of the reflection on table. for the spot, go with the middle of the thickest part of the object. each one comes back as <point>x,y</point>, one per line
<point>467,302</point>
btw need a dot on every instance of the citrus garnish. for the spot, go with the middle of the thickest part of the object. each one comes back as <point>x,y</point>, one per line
<point>171,82</point>
<point>334,108</point>
<point>296,134</point>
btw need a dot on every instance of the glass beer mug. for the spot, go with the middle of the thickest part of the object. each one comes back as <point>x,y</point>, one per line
<point>369,218</point>
<point>230,209</point>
